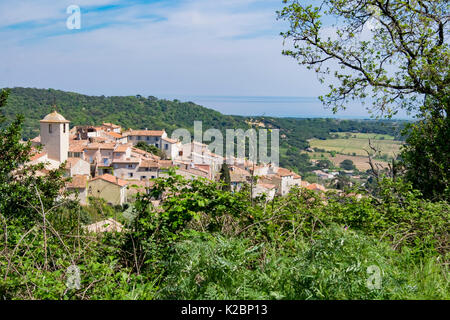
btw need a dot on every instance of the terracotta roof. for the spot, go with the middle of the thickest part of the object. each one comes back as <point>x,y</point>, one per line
<point>72,162</point>
<point>112,179</point>
<point>316,186</point>
<point>170,140</point>
<point>153,133</point>
<point>165,164</point>
<point>237,170</point>
<point>54,117</point>
<point>267,185</point>
<point>114,134</point>
<point>105,146</point>
<point>112,125</point>
<point>122,148</point>
<point>78,182</point>
<point>149,164</point>
<point>282,172</point>
<point>304,184</point>
<point>127,160</point>
<point>77,145</point>
<point>38,156</point>
<point>196,172</point>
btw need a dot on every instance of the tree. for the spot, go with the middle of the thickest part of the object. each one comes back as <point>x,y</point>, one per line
<point>396,49</point>
<point>151,149</point>
<point>426,156</point>
<point>225,177</point>
<point>347,164</point>
<point>324,164</point>
<point>395,52</point>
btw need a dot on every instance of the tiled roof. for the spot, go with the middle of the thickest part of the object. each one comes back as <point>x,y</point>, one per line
<point>112,125</point>
<point>104,146</point>
<point>122,148</point>
<point>267,185</point>
<point>114,134</point>
<point>282,172</point>
<point>316,186</point>
<point>149,164</point>
<point>54,117</point>
<point>153,133</point>
<point>78,182</point>
<point>77,145</point>
<point>170,140</point>
<point>38,156</point>
<point>72,162</point>
<point>112,179</point>
<point>127,160</point>
<point>165,164</point>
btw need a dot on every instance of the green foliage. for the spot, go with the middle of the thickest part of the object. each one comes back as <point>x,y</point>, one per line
<point>334,266</point>
<point>225,177</point>
<point>347,164</point>
<point>426,156</point>
<point>405,57</point>
<point>204,242</point>
<point>151,149</point>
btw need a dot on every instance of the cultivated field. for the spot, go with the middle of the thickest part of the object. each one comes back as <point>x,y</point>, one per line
<point>357,143</point>
<point>360,162</point>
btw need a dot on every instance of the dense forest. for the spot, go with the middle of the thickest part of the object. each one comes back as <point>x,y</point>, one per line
<point>138,112</point>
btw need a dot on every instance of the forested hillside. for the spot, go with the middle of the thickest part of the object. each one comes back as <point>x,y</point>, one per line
<point>140,112</point>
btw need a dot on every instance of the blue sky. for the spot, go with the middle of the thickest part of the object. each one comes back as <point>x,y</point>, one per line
<point>163,48</point>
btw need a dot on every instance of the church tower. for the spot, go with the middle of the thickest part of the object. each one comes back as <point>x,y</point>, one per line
<point>55,136</point>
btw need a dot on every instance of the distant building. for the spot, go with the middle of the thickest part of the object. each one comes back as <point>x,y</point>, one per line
<point>54,136</point>
<point>112,189</point>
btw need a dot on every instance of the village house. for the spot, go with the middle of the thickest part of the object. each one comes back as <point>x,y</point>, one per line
<point>112,189</point>
<point>79,186</point>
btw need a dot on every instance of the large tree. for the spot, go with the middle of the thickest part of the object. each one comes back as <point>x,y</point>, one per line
<point>391,50</point>
<point>394,53</point>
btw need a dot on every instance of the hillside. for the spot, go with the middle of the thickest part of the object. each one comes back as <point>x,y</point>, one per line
<point>140,112</point>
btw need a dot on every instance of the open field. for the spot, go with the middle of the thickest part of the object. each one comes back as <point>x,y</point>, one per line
<point>357,143</point>
<point>372,136</point>
<point>361,162</point>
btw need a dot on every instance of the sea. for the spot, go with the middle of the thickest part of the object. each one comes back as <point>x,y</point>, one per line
<point>282,106</point>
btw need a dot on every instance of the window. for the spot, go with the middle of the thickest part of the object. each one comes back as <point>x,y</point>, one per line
<point>64,127</point>
<point>157,145</point>
<point>166,146</point>
<point>143,177</point>
<point>180,153</point>
<point>50,129</point>
<point>153,177</point>
<point>105,161</point>
<point>148,138</point>
<point>130,166</point>
<point>139,137</point>
<point>130,174</point>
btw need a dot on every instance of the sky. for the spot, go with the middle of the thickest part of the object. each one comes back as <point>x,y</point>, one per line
<point>198,50</point>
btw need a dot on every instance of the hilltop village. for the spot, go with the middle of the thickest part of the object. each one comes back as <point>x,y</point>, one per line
<point>104,162</point>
